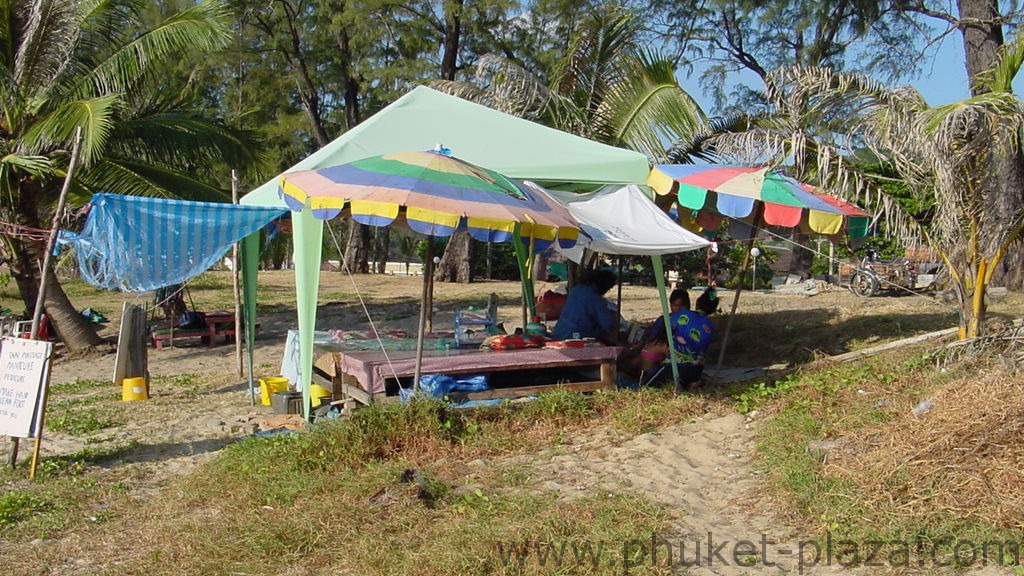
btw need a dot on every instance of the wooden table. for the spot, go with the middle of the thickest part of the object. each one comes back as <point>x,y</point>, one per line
<point>360,376</point>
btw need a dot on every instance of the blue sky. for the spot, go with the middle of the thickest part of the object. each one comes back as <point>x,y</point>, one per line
<point>943,78</point>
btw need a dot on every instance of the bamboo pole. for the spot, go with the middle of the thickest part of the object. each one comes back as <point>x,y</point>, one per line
<point>759,212</point>
<point>34,466</point>
<point>37,314</point>
<point>235,289</point>
<point>618,298</point>
<point>429,325</point>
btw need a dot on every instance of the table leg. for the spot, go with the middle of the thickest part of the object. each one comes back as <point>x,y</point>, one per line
<point>608,374</point>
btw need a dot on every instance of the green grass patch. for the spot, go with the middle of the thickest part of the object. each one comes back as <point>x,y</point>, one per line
<point>184,384</point>
<point>16,505</point>
<point>80,401</point>
<point>77,463</point>
<point>210,281</point>
<point>336,296</point>
<point>79,422</point>
<point>650,409</point>
<point>343,482</point>
<point>69,491</point>
<point>79,386</point>
<point>82,289</point>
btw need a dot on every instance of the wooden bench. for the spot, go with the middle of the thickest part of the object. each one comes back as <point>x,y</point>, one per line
<point>216,325</point>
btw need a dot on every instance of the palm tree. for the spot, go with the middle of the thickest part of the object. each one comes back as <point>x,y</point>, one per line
<point>91,64</point>
<point>606,88</point>
<point>943,154</point>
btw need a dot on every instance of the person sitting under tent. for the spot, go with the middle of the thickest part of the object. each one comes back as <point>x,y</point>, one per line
<point>692,334</point>
<point>587,314</point>
<point>678,300</point>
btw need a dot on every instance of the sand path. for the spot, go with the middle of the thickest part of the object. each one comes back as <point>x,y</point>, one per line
<point>702,472</point>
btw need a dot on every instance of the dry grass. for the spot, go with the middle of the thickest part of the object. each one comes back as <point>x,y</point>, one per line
<point>962,458</point>
<point>948,474</point>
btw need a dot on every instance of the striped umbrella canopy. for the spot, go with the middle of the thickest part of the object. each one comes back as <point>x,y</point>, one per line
<point>858,222</point>
<point>734,191</point>
<point>436,194</point>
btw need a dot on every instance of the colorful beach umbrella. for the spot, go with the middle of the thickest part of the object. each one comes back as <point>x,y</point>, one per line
<point>435,193</point>
<point>734,191</point>
<point>858,222</point>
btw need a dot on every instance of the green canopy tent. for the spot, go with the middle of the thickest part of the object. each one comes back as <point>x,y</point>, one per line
<point>420,120</point>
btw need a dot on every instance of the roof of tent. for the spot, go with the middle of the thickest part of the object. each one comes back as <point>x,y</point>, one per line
<point>517,148</point>
<point>624,220</point>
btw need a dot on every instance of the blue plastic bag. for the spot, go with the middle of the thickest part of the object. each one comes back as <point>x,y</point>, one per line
<point>440,385</point>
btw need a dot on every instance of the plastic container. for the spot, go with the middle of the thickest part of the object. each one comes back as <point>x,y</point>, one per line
<point>134,389</point>
<point>320,395</point>
<point>271,386</point>
<point>287,402</point>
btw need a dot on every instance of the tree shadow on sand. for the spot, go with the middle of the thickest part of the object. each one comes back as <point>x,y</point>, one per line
<point>796,337</point>
<point>135,453</point>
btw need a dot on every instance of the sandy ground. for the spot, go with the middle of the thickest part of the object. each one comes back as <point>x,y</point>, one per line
<point>700,470</point>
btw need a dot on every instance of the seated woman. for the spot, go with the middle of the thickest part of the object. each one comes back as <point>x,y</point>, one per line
<point>692,333</point>
<point>586,313</point>
<point>678,300</point>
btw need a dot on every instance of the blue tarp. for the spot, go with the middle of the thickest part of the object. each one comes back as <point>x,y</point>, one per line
<point>133,243</point>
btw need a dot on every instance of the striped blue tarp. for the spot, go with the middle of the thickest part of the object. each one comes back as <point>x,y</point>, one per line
<point>133,243</point>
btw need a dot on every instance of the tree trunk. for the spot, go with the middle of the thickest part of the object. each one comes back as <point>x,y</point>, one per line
<point>357,249</point>
<point>382,248</point>
<point>983,36</point>
<point>349,82</point>
<point>456,264</point>
<point>71,327</point>
<point>452,38</point>
<point>801,258</point>
<point>1009,271</point>
<point>540,268</point>
<point>292,51</point>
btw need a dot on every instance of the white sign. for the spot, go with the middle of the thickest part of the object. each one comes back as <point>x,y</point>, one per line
<point>24,366</point>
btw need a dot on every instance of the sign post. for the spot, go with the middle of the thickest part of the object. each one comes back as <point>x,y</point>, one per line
<point>24,380</point>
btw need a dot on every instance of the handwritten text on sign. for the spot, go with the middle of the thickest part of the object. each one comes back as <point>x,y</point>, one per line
<point>23,368</point>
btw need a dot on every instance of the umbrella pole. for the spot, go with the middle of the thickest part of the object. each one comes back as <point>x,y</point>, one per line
<point>428,273</point>
<point>429,325</point>
<point>618,299</point>
<point>739,286</point>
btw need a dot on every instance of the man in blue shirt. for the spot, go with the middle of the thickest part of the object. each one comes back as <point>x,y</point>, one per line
<point>586,312</point>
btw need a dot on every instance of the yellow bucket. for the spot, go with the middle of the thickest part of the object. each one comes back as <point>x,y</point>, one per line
<point>318,394</point>
<point>134,389</point>
<point>270,386</point>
